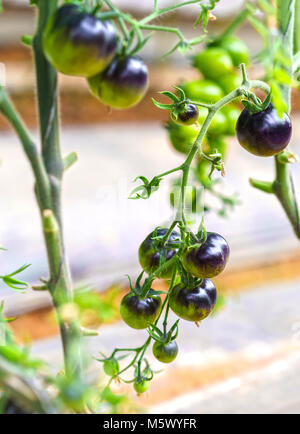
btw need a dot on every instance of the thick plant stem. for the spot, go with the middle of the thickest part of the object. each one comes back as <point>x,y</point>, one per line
<point>60,284</point>
<point>297,28</point>
<point>283,184</point>
<point>284,190</point>
<point>48,107</point>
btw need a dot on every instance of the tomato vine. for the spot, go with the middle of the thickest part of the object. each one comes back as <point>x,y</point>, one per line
<point>187,259</point>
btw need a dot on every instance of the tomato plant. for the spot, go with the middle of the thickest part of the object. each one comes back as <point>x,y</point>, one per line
<point>96,40</point>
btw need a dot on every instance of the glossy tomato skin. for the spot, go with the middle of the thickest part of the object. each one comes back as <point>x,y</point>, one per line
<point>213,62</point>
<point>208,259</point>
<point>123,84</point>
<point>193,304</point>
<point>151,254</point>
<point>181,137</point>
<point>139,312</point>
<point>189,116</point>
<point>263,134</point>
<point>165,352</point>
<point>78,43</point>
<point>141,386</point>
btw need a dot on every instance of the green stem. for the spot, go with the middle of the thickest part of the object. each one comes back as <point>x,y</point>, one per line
<point>283,184</point>
<point>42,181</point>
<point>239,19</point>
<point>244,88</point>
<point>48,106</point>
<point>60,284</point>
<point>297,28</point>
<point>158,12</point>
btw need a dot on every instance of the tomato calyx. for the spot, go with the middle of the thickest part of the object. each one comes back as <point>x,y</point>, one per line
<point>143,290</point>
<point>182,111</point>
<point>163,337</point>
<point>254,104</point>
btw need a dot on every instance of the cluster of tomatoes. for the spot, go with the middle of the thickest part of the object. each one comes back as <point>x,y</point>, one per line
<point>218,65</point>
<point>192,298</point>
<point>79,43</point>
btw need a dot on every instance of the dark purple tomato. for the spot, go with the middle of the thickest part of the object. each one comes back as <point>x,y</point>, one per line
<point>152,252</point>
<point>123,84</point>
<point>78,43</point>
<point>208,259</point>
<point>139,312</point>
<point>193,304</point>
<point>165,352</point>
<point>264,133</point>
<point>188,116</point>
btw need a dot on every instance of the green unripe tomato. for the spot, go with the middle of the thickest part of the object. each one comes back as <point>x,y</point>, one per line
<point>218,124</point>
<point>202,172</point>
<point>165,352</point>
<point>78,43</point>
<point>141,386</point>
<point>218,144</point>
<point>111,367</point>
<point>203,91</point>
<point>232,114</point>
<point>182,138</point>
<point>230,82</point>
<point>213,62</point>
<point>237,50</point>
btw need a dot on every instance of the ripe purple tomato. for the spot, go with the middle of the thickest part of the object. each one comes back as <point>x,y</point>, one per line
<point>264,133</point>
<point>193,304</point>
<point>139,312</point>
<point>208,259</point>
<point>151,252</point>
<point>78,43</point>
<point>123,84</point>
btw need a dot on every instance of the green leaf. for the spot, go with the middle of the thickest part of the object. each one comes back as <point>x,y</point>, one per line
<point>162,106</point>
<point>170,95</point>
<point>15,284</point>
<point>19,270</point>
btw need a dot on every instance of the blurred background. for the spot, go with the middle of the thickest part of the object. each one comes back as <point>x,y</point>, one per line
<point>243,359</point>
